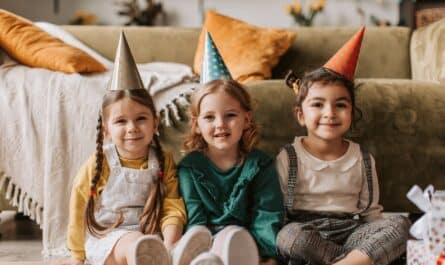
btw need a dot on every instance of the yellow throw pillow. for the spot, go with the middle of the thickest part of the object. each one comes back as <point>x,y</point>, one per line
<point>249,52</point>
<point>33,47</point>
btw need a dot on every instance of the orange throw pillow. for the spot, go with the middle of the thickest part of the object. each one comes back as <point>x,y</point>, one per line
<point>249,52</point>
<point>33,47</point>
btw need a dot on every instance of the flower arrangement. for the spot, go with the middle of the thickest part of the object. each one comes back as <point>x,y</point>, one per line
<point>296,11</point>
<point>83,18</point>
<point>138,15</point>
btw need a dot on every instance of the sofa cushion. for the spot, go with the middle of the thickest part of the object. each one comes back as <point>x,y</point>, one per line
<point>249,52</point>
<point>31,46</point>
<point>428,52</point>
<point>384,52</point>
<point>63,35</point>
<point>403,127</point>
<point>147,44</point>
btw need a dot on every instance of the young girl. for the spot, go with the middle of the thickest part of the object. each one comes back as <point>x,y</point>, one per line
<point>129,188</point>
<point>227,185</point>
<point>328,180</point>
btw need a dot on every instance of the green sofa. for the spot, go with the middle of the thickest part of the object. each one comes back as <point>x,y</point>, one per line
<point>404,119</point>
<point>403,122</point>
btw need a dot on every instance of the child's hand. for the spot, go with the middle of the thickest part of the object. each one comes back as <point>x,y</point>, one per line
<point>171,234</point>
<point>70,261</point>
<point>168,245</point>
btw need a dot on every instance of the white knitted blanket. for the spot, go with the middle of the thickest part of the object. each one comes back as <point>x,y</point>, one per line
<point>47,127</point>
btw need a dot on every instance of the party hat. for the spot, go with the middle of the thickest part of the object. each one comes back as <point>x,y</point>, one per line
<point>345,60</point>
<point>213,66</point>
<point>125,73</point>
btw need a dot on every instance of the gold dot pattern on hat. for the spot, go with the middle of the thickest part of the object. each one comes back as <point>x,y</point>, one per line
<point>213,64</point>
<point>345,60</point>
<point>125,74</point>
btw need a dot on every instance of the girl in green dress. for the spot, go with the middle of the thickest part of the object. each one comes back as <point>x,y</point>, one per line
<point>227,185</point>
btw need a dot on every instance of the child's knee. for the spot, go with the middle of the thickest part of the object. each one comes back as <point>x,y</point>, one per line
<point>401,225</point>
<point>291,239</point>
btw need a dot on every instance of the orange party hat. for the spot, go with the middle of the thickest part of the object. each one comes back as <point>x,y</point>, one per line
<point>345,60</point>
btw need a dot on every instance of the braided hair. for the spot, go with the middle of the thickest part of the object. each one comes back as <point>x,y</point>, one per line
<point>150,217</point>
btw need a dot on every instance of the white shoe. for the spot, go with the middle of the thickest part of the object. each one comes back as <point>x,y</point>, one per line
<point>195,241</point>
<point>207,258</point>
<point>236,246</point>
<point>149,250</point>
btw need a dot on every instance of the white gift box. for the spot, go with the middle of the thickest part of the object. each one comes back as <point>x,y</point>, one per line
<point>436,234</point>
<point>429,249</point>
<point>417,253</point>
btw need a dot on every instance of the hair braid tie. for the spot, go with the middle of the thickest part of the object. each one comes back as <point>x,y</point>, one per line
<point>292,81</point>
<point>160,175</point>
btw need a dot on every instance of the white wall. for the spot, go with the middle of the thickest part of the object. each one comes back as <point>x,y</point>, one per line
<point>186,13</point>
<point>41,10</point>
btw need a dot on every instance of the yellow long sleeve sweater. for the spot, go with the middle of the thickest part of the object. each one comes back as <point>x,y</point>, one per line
<point>173,212</point>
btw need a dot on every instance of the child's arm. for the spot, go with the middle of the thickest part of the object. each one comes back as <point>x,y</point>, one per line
<point>171,235</point>
<point>374,211</point>
<point>196,212</point>
<point>77,206</point>
<point>173,216</point>
<point>267,210</point>
<point>282,166</point>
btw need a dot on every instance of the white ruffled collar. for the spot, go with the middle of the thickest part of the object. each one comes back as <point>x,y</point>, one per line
<point>343,163</point>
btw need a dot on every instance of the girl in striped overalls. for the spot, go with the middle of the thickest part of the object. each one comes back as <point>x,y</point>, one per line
<point>329,183</point>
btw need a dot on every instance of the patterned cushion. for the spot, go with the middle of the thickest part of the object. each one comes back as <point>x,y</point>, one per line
<point>249,52</point>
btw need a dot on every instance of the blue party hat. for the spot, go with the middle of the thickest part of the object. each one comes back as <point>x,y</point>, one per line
<point>213,66</point>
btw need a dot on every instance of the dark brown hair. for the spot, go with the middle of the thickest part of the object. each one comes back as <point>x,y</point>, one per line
<point>194,141</point>
<point>325,76</point>
<point>149,219</point>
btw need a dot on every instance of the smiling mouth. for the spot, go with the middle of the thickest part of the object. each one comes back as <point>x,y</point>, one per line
<point>221,135</point>
<point>330,124</point>
<point>134,139</point>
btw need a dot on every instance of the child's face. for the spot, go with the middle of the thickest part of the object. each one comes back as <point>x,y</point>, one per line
<point>326,111</point>
<point>221,121</point>
<point>130,126</point>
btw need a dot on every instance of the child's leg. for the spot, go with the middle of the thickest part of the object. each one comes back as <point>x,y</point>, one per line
<point>381,241</point>
<point>355,257</point>
<point>235,246</point>
<point>207,258</point>
<point>134,248</point>
<point>299,241</point>
<point>196,241</point>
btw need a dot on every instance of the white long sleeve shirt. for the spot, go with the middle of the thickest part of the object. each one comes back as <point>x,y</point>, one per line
<point>339,185</point>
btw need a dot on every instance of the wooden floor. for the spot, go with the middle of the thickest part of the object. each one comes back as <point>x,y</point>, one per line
<point>20,241</point>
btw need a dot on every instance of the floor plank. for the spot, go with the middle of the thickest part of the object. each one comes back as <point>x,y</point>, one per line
<point>20,241</point>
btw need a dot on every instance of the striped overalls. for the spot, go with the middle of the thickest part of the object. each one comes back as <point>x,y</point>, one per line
<point>320,238</point>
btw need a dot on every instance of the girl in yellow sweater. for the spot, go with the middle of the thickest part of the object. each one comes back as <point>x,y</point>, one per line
<point>125,207</point>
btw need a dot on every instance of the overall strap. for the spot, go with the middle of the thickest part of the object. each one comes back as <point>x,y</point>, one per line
<point>112,156</point>
<point>368,173</point>
<point>292,175</point>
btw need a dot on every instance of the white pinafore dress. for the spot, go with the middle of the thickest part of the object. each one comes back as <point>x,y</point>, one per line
<point>127,190</point>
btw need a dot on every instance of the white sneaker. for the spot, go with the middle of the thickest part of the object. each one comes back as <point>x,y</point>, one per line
<point>236,246</point>
<point>207,258</point>
<point>197,240</point>
<point>149,250</point>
